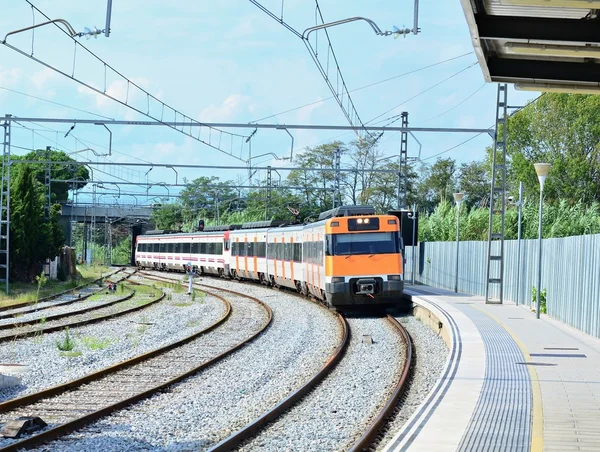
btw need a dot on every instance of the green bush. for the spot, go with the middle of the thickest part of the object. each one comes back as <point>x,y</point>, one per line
<point>543,309</point>
<point>560,220</point>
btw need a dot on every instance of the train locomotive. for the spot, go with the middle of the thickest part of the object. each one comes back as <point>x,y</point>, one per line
<point>350,257</point>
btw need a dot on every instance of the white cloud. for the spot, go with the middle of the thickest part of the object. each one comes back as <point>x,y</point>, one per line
<point>118,89</point>
<point>40,78</point>
<point>444,100</point>
<point>232,105</point>
<point>466,121</point>
<point>9,76</point>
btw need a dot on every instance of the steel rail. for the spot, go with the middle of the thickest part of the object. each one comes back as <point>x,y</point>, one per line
<point>62,315</point>
<point>70,426</point>
<point>255,426</point>
<point>52,328</point>
<point>373,429</point>
<point>36,308</point>
<point>58,294</point>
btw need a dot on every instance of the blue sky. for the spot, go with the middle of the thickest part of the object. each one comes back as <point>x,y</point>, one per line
<point>229,62</point>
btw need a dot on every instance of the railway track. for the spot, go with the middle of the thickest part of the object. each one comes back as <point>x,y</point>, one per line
<point>72,405</point>
<point>121,306</point>
<point>83,288</point>
<point>18,321</point>
<point>278,412</point>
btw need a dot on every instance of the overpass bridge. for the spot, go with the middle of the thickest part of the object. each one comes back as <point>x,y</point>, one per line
<point>105,213</point>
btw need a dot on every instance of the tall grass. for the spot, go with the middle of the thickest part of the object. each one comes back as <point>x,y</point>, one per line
<point>559,219</point>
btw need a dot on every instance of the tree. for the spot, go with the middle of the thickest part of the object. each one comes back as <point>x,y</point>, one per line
<point>321,157</point>
<point>564,130</point>
<point>168,216</point>
<point>474,182</point>
<point>33,239</point>
<point>440,181</point>
<point>59,190</point>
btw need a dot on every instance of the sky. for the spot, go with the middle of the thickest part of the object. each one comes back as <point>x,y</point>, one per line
<point>230,62</point>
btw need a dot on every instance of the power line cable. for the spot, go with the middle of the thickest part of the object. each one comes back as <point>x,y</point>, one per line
<point>156,103</point>
<point>55,103</point>
<point>459,104</point>
<point>397,117</point>
<point>414,71</point>
<point>475,136</point>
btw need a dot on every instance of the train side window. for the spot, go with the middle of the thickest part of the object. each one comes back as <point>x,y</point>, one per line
<point>297,252</point>
<point>251,250</point>
<point>219,248</point>
<point>262,248</point>
<point>161,247</point>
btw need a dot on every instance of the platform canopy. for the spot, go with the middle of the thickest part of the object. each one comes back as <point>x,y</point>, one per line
<point>539,45</point>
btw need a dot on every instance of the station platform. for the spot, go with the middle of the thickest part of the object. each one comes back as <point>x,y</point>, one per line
<point>511,382</point>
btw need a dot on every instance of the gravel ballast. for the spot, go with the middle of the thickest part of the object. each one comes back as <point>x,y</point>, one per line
<point>431,354</point>
<point>339,410</point>
<point>106,343</point>
<point>206,408</point>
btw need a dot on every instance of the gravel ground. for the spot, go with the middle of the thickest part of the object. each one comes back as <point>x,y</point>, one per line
<point>105,343</point>
<point>74,308</point>
<point>431,353</point>
<point>337,412</point>
<point>206,408</point>
<point>46,306</point>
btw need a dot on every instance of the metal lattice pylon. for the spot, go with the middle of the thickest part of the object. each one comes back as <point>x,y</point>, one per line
<point>495,263</point>
<point>5,206</point>
<point>337,191</point>
<point>403,171</point>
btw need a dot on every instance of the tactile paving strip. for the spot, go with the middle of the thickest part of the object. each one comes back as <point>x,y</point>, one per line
<point>502,417</point>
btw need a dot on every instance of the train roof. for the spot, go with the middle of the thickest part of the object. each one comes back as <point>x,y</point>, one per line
<point>347,211</point>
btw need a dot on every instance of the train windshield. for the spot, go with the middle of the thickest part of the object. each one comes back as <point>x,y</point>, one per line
<point>363,243</point>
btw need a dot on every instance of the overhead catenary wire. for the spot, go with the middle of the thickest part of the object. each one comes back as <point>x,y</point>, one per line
<point>55,103</point>
<point>458,104</point>
<point>414,71</point>
<point>149,97</point>
<point>475,136</point>
<point>351,116</point>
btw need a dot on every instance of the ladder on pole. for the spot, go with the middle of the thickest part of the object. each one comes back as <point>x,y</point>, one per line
<point>5,206</point>
<point>403,175</point>
<point>495,263</point>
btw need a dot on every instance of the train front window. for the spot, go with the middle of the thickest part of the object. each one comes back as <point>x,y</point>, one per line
<point>363,243</point>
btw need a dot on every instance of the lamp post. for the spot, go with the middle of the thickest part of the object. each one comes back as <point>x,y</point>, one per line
<point>542,170</point>
<point>458,197</point>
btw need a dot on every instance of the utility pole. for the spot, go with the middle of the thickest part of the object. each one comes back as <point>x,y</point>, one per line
<point>336,187</point>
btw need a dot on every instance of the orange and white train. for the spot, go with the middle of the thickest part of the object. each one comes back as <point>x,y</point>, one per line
<point>349,257</point>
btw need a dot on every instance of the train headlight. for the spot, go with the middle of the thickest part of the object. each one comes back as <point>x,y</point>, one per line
<point>366,220</point>
<point>338,279</point>
<point>359,221</point>
<point>394,277</point>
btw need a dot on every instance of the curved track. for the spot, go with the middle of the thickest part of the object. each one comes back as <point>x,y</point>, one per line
<point>368,437</point>
<point>21,330</point>
<point>45,303</point>
<point>76,289</point>
<point>72,405</point>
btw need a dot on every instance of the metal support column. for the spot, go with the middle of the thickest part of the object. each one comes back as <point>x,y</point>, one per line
<point>403,171</point>
<point>107,241</point>
<point>5,206</point>
<point>268,193</point>
<point>495,264</point>
<point>47,187</point>
<point>336,187</point>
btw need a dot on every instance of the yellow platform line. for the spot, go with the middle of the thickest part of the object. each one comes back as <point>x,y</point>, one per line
<point>537,427</point>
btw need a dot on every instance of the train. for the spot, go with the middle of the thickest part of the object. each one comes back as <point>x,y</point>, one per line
<point>349,257</point>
